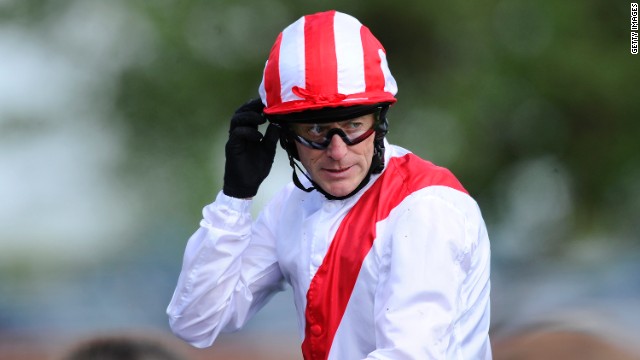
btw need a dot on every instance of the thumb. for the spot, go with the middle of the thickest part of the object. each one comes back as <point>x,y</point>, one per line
<point>270,139</point>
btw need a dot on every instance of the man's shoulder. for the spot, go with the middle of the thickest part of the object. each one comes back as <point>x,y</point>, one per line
<point>417,173</point>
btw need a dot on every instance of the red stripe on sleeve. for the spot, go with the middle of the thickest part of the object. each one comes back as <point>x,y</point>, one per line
<point>321,66</point>
<point>331,287</point>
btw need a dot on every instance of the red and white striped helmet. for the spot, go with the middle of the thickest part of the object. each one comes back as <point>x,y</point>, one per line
<point>327,59</point>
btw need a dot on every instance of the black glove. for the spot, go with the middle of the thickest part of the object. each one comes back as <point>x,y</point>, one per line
<point>249,154</point>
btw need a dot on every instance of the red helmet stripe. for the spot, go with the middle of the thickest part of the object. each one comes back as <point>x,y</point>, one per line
<point>325,59</point>
<point>271,80</point>
<point>321,65</point>
<point>374,77</point>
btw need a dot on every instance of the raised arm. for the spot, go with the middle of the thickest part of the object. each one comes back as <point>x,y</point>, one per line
<point>230,266</point>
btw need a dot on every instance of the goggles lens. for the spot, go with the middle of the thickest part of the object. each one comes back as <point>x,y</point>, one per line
<point>318,136</point>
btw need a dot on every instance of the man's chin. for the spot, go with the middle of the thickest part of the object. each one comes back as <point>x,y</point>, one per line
<point>339,189</point>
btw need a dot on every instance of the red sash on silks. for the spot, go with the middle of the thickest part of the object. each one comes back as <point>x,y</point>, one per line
<point>331,287</point>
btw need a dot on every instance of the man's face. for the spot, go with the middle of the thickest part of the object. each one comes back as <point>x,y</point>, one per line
<point>339,168</point>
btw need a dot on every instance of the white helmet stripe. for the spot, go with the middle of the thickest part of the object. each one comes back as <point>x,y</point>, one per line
<point>390,84</point>
<point>349,54</point>
<point>292,60</point>
<point>322,60</point>
<point>261,89</point>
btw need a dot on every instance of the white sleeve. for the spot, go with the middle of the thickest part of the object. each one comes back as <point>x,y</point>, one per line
<point>229,272</point>
<point>433,299</point>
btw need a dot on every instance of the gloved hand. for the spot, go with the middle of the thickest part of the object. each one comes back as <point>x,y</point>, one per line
<point>249,154</point>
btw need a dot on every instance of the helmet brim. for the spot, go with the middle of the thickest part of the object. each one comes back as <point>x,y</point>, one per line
<point>326,114</point>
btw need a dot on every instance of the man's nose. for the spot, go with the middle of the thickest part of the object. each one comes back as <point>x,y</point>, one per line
<point>337,148</point>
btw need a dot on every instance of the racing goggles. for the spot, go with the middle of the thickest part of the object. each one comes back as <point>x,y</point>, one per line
<point>318,135</point>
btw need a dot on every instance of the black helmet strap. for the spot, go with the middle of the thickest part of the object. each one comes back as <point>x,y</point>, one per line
<point>315,186</point>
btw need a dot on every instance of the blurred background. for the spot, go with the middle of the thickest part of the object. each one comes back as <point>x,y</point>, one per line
<point>113,118</point>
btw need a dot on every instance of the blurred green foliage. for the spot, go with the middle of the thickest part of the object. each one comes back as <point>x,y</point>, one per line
<point>509,80</point>
<point>522,79</point>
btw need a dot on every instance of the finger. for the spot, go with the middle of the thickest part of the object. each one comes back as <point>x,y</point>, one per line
<point>271,137</point>
<point>246,133</point>
<point>246,119</point>
<point>272,134</point>
<point>253,105</point>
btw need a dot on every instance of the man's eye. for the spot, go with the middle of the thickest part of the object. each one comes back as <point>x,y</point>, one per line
<point>354,124</point>
<point>351,126</point>
<point>316,129</point>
